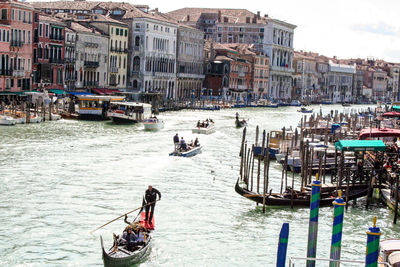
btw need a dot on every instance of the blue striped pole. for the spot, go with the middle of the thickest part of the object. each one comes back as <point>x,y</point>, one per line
<point>373,236</point>
<point>282,245</point>
<point>336,244</point>
<point>313,224</point>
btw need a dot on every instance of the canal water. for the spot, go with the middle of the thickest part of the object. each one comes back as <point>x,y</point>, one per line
<point>60,180</point>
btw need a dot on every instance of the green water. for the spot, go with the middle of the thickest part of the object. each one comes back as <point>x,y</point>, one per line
<point>60,180</point>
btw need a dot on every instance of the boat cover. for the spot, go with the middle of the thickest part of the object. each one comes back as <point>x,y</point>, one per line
<point>376,132</point>
<point>146,224</point>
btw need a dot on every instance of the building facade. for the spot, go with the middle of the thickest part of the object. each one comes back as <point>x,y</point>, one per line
<point>17,22</point>
<point>260,76</point>
<point>190,62</point>
<point>152,66</point>
<point>48,54</point>
<point>340,82</point>
<point>70,59</point>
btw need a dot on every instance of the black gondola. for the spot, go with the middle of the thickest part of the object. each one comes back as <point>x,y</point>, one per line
<point>300,199</point>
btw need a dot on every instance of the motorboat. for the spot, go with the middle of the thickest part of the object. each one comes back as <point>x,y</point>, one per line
<point>153,124</point>
<point>192,151</point>
<point>205,127</point>
<point>7,120</point>
<point>305,110</point>
<point>129,112</point>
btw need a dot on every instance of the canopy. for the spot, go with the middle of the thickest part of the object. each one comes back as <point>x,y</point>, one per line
<point>80,93</point>
<point>57,91</point>
<point>360,145</point>
<point>378,132</point>
<point>101,91</point>
<point>391,114</point>
<point>396,108</point>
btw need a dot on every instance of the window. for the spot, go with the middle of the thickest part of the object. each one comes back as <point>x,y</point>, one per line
<point>47,30</point>
<point>4,14</point>
<point>29,37</point>
<point>12,14</point>
<point>19,15</point>
<point>126,32</point>
<point>24,16</point>
<point>117,31</point>
<point>112,30</point>
<point>40,29</point>
<point>30,17</point>
<point>23,36</point>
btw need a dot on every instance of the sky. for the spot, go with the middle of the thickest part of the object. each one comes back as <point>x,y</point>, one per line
<point>342,28</point>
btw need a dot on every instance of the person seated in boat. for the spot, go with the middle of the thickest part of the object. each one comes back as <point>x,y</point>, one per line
<point>183,145</point>
<point>131,239</point>
<point>198,123</point>
<point>288,193</point>
<point>207,124</point>
<point>196,142</point>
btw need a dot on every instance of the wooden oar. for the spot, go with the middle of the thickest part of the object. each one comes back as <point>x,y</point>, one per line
<point>123,216</point>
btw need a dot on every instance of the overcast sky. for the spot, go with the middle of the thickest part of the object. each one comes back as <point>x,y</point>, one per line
<point>342,28</point>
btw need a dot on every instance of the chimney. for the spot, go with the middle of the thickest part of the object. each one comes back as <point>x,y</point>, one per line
<point>188,18</point>
<point>219,15</point>
<point>258,14</point>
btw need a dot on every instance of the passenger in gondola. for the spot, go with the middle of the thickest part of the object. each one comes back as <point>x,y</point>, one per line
<point>196,142</point>
<point>131,239</point>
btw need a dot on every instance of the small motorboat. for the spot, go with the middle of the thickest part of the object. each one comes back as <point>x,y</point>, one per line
<point>390,249</point>
<point>35,119</point>
<point>295,103</point>
<point>54,117</point>
<point>205,127</point>
<point>153,124</point>
<point>240,123</point>
<point>305,110</point>
<point>7,120</point>
<point>192,151</point>
<point>346,105</point>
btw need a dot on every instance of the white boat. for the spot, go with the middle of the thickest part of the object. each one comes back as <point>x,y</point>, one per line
<point>153,124</point>
<point>203,129</point>
<point>35,119</point>
<point>390,249</point>
<point>7,120</point>
<point>54,117</point>
<point>129,112</point>
<point>20,120</point>
<point>193,151</point>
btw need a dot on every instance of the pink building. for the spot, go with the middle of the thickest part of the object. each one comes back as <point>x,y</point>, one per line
<point>16,28</point>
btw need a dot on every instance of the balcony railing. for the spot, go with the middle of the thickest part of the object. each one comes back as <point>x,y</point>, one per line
<point>114,69</point>
<point>91,64</point>
<point>56,60</point>
<point>18,73</point>
<point>6,72</point>
<point>57,37</point>
<point>16,43</point>
<point>90,83</point>
<point>5,21</point>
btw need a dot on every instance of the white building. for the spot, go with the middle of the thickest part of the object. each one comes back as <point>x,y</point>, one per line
<point>153,56</point>
<point>340,82</point>
<point>278,45</point>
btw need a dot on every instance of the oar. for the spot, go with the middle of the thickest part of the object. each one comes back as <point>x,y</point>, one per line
<point>122,216</point>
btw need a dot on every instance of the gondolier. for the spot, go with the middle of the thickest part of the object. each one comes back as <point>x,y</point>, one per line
<point>151,197</point>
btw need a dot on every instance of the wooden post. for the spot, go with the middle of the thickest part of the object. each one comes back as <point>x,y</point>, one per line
<point>396,206</point>
<point>50,107</point>
<point>248,167</point>
<point>252,167</point>
<point>286,166</point>
<point>256,143</point>
<point>259,163</point>
<point>291,196</point>
<point>266,159</point>
<point>241,154</point>
<point>324,165</point>
<point>245,164</point>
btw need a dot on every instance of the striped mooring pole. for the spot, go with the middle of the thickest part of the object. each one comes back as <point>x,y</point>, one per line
<point>373,236</point>
<point>282,245</point>
<point>336,244</point>
<point>313,224</point>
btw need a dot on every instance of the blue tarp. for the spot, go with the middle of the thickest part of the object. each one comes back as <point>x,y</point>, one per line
<point>80,93</point>
<point>334,127</point>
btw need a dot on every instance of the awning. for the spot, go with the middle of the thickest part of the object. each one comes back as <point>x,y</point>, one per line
<point>80,93</point>
<point>101,91</point>
<point>378,132</point>
<point>57,91</point>
<point>11,93</point>
<point>397,108</point>
<point>391,114</point>
<point>360,145</point>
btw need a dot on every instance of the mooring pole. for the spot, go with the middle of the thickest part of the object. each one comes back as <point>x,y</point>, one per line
<point>336,243</point>
<point>373,236</point>
<point>313,223</point>
<point>282,245</point>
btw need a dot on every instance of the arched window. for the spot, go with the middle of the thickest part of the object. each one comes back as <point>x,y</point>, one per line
<point>136,64</point>
<point>137,41</point>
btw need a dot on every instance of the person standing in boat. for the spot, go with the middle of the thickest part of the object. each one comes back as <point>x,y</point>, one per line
<point>176,141</point>
<point>151,197</point>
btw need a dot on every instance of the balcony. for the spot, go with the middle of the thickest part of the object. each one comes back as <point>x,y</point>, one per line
<point>5,21</point>
<point>6,72</point>
<point>56,37</point>
<point>16,43</point>
<point>91,64</point>
<point>90,83</point>
<point>56,60</point>
<point>18,73</point>
<point>114,70</point>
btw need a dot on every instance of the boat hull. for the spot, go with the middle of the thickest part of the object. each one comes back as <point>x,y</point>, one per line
<point>391,203</point>
<point>187,154</point>
<point>116,260</point>
<point>153,126</point>
<point>118,119</point>
<point>7,121</point>
<point>204,130</point>
<point>240,124</point>
<point>304,201</point>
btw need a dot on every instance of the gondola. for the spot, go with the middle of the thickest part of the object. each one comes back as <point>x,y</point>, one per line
<point>240,124</point>
<point>300,199</point>
<point>119,256</point>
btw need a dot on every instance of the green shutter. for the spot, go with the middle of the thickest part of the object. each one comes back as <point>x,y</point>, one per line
<point>126,32</point>
<point>117,31</point>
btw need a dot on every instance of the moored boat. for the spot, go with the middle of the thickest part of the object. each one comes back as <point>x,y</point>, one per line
<point>388,196</point>
<point>390,249</point>
<point>305,110</point>
<point>153,124</point>
<point>7,120</point>
<point>295,103</point>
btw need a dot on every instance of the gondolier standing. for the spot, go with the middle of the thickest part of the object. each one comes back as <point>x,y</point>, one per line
<point>151,197</point>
